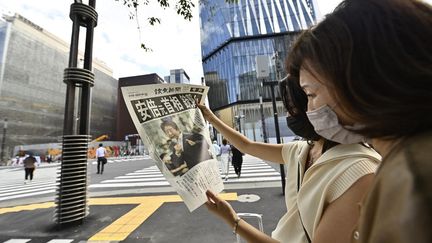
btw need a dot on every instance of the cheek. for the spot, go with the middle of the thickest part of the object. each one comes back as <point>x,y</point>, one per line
<point>310,106</point>
<point>315,103</point>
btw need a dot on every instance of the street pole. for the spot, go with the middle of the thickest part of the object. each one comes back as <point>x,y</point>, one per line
<point>71,202</point>
<point>272,84</point>
<point>3,139</point>
<point>263,72</point>
<point>238,120</point>
<point>263,125</point>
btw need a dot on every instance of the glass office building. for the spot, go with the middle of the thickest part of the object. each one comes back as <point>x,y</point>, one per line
<point>177,76</point>
<point>232,35</point>
<point>32,92</point>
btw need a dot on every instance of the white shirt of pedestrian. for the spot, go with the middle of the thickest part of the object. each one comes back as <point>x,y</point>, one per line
<point>100,152</point>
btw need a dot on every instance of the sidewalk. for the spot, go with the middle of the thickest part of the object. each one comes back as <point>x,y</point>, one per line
<point>171,222</point>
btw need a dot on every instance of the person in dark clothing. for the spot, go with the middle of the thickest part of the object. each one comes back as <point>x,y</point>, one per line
<point>236,160</point>
<point>29,167</point>
<point>176,167</point>
<point>194,148</point>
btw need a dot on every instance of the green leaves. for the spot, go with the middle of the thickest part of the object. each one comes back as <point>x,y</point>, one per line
<point>183,8</point>
<point>153,20</point>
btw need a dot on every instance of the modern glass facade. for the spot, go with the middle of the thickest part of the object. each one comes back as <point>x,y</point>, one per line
<point>232,35</point>
<point>32,92</point>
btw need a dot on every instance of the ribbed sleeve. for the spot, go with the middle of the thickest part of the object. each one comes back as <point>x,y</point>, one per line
<point>349,177</point>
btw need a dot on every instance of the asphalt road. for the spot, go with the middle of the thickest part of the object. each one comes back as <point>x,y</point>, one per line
<point>122,205</point>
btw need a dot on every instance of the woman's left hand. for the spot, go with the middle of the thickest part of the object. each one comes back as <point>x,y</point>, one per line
<point>221,208</point>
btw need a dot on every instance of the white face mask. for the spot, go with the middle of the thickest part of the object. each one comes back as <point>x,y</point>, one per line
<point>326,124</point>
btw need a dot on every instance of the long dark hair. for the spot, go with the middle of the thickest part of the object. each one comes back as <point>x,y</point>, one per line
<point>375,57</point>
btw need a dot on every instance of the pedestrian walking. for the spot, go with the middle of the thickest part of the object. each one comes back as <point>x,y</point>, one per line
<point>101,160</point>
<point>217,151</point>
<point>225,158</point>
<point>29,167</point>
<point>237,160</point>
<point>15,161</point>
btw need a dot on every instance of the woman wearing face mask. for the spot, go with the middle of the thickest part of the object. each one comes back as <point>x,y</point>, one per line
<point>324,180</point>
<point>371,63</point>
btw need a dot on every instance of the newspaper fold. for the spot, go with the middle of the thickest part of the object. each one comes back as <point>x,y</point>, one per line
<point>175,133</point>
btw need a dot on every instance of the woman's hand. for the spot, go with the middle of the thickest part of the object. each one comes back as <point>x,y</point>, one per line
<point>221,208</point>
<point>207,113</point>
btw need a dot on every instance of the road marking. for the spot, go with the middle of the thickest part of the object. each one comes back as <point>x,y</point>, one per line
<point>252,171</point>
<point>27,194</point>
<point>126,224</point>
<point>142,184</point>
<point>29,207</point>
<point>17,241</point>
<point>122,227</point>
<point>60,241</point>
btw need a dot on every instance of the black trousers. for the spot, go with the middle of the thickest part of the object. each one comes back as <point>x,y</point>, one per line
<point>100,164</point>
<point>237,164</point>
<point>29,172</point>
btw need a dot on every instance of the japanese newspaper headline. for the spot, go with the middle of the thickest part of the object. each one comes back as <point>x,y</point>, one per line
<point>176,136</point>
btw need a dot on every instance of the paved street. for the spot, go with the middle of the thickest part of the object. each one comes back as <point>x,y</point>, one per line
<point>13,191</point>
<point>132,202</point>
<point>126,175</point>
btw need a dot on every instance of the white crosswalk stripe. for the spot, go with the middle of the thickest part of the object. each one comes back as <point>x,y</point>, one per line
<point>60,241</point>
<point>44,182</point>
<point>17,241</point>
<point>29,240</point>
<point>253,170</point>
<point>119,160</point>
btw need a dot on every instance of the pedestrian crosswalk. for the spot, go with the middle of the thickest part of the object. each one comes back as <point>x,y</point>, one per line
<point>253,170</point>
<point>12,185</point>
<point>44,184</point>
<point>122,159</point>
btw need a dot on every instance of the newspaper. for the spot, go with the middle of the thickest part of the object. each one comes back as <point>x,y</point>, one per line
<point>175,133</point>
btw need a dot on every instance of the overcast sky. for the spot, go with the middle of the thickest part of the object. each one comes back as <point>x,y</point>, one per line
<point>175,42</point>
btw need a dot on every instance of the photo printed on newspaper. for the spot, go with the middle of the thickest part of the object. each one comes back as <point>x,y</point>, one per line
<point>177,137</point>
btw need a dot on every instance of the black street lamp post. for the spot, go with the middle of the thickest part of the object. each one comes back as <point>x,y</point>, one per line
<point>5,123</point>
<point>238,120</point>
<point>272,84</point>
<point>71,202</point>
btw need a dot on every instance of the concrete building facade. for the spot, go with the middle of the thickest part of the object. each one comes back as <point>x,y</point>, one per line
<point>32,92</point>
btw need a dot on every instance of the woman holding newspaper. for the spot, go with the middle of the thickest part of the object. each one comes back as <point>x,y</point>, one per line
<point>325,179</point>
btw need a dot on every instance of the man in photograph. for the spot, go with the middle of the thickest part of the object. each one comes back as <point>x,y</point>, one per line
<point>192,146</point>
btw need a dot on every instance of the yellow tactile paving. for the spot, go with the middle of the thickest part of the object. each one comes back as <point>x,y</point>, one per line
<point>126,224</point>
<point>27,207</point>
<point>130,221</point>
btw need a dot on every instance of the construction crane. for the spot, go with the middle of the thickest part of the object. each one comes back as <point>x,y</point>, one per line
<point>101,138</point>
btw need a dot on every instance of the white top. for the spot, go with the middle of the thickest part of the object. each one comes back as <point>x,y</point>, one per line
<point>225,149</point>
<point>216,149</point>
<point>325,181</point>
<point>100,152</point>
